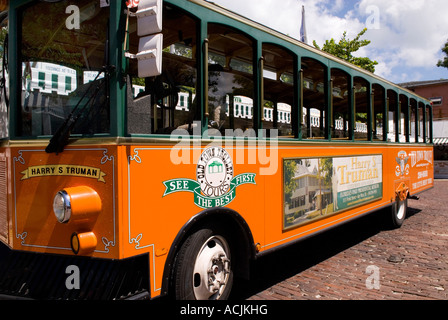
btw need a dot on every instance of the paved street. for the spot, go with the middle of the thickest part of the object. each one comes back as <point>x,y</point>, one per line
<point>363,260</point>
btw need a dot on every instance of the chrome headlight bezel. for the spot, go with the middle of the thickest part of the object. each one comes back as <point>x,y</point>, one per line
<point>62,206</point>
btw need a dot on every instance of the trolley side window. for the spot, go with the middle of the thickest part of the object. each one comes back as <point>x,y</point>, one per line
<point>162,104</point>
<point>341,105</point>
<point>314,99</point>
<point>279,91</point>
<point>230,82</point>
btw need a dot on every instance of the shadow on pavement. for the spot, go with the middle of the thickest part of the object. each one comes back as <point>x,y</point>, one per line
<point>282,264</point>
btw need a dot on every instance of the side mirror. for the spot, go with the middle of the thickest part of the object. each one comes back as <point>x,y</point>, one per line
<point>149,56</point>
<point>149,28</point>
<point>149,17</point>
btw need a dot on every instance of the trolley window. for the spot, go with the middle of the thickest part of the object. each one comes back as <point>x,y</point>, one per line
<point>62,63</point>
<point>162,104</point>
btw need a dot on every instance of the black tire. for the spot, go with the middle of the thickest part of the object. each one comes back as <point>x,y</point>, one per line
<point>398,213</point>
<point>203,267</point>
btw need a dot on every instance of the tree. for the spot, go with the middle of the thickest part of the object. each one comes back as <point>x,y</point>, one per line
<point>3,32</point>
<point>444,63</point>
<point>290,167</point>
<point>345,48</point>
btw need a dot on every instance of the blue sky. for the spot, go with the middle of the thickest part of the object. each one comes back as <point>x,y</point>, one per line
<point>407,35</point>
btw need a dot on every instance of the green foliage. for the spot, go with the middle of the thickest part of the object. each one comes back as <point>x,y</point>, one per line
<point>444,63</point>
<point>345,48</point>
<point>3,32</point>
<point>326,171</point>
<point>290,167</point>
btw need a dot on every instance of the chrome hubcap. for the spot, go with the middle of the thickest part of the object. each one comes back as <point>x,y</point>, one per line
<point>212,269</point>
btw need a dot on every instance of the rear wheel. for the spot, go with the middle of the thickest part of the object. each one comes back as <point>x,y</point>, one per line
<point>398,211</point>
<point>203,267</point>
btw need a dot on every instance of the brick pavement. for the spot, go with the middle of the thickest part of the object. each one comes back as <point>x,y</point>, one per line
<point>408,263</point>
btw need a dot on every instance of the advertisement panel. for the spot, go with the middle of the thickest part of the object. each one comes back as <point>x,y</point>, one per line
<point>319,187</point>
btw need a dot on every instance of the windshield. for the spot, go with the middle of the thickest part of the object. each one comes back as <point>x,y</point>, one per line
<point>63,48</point>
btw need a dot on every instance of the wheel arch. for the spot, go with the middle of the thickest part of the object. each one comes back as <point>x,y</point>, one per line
<point>245,251</point>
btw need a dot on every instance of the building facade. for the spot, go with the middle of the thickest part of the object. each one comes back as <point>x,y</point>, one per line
<point>437,92</point>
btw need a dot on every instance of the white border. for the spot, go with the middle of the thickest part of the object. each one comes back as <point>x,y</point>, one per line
<point>22,236</point>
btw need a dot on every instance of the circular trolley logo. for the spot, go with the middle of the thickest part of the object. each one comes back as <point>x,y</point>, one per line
<point>215,184</point>
<point>214,172</point>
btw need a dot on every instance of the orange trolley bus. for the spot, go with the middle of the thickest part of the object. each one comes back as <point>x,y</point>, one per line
<point>158,147</point>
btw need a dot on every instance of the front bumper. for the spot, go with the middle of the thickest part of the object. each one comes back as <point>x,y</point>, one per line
<point>28,275</point>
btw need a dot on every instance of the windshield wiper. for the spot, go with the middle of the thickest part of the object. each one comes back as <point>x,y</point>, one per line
<point>61,137</point>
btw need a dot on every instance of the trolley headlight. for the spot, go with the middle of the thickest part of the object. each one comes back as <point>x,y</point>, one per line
<point>62,206</point>
<point>77,203</point>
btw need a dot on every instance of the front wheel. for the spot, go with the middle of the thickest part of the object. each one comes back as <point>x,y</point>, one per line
<point>203,267</point>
